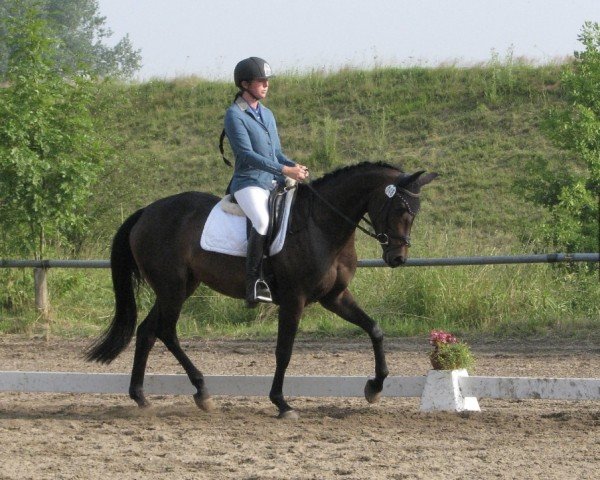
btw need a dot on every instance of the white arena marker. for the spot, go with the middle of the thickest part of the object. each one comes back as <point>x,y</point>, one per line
<point>442,393</point>
<point>528,387</point>
<point>235,385</point>
<point>450,390</point>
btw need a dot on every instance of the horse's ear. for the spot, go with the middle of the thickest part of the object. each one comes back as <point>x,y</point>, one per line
<point>406,180</point>
<point>417,178</point>
<point>425,179</point>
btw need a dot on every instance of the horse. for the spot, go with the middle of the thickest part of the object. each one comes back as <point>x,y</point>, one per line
<point>160,244</point>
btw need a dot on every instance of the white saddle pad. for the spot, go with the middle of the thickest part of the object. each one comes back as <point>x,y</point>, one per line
<point>226,233</point>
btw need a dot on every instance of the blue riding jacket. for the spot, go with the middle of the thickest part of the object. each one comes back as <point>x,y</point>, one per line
<point>256,146</point>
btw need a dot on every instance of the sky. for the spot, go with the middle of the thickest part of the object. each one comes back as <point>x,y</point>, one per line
<point>207,38</point>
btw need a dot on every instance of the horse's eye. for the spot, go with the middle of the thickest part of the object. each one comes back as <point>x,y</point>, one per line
<point>401,206</point>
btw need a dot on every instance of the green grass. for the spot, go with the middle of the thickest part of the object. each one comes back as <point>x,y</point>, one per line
<point>494,300</point>
<point>478,127</point>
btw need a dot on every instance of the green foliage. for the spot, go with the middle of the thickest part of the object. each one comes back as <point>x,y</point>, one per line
<point>80,32</point>
<point>325,153</point>
<point>500,81</point>
<point>49,155</point>
<point>17,286</point>
<point>448,352</point>
<point>452,356</point>
<point>575,220</point>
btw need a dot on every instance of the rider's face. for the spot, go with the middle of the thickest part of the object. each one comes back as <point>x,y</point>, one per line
<point>258,88</point>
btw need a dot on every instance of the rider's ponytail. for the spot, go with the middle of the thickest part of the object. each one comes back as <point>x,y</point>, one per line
<point>223,135</point>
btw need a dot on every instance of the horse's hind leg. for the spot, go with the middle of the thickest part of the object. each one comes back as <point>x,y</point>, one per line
<point>167,332</point>
<point>145,339</point>
<point>345,306</point>
<point>289,318</point>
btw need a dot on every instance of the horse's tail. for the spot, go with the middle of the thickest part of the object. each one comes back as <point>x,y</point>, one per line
<point>125,276</point>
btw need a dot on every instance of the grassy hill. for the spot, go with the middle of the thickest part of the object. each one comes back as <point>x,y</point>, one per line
<point>478,127</point>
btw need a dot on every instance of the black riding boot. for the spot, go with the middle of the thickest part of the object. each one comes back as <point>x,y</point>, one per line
<point>257,289</point>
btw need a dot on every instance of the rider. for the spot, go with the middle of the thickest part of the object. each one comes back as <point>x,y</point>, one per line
<point>259,164</point>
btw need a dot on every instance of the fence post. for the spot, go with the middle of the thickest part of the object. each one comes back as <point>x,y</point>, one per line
<point>41,296</point>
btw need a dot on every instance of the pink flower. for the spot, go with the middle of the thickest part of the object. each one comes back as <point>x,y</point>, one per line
<point>438,337</point>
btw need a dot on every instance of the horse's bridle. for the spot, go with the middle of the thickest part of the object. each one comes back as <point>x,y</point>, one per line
<point>391,191</point>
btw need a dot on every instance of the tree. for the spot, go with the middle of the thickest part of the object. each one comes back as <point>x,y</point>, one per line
<point>49,154</point>
<point>575,204</point>
<point>81,32</point>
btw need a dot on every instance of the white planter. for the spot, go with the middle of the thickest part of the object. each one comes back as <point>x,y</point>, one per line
<point>442,393</point>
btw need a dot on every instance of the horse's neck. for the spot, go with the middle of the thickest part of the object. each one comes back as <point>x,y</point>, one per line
<point>351,195</point>
<point>347,197</point>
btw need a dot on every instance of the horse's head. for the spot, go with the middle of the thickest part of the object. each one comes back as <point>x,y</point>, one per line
<point>392,213</point>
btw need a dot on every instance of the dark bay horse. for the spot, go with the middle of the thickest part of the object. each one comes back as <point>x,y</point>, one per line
<point>161,245</point>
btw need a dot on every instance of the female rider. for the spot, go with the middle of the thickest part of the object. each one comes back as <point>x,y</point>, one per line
<point>259,164</point>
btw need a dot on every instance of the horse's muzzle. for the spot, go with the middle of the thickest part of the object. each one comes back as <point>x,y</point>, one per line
<point>395,258</point>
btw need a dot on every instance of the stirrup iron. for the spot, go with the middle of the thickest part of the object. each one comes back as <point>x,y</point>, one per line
<point>262,292</point>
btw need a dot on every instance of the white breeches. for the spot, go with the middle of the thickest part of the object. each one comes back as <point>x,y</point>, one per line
<point>254,201</point>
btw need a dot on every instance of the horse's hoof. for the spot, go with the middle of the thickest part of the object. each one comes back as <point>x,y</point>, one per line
<point>289,415</point>
<point>141,402</point>
<point>204,402</point>
<point>371,394</point>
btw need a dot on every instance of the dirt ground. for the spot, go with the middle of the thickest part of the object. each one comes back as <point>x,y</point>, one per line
<point>64,436</point>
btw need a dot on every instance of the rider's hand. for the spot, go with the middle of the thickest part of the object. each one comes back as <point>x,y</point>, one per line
<point>297,172</point>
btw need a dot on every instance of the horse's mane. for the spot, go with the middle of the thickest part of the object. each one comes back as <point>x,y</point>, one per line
<point>359,166</point>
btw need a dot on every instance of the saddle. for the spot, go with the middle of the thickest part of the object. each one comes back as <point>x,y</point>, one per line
<point>226,229</point>
<point>277,205</point>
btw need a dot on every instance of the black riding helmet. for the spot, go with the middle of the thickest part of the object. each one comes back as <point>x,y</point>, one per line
<point>251,69</point>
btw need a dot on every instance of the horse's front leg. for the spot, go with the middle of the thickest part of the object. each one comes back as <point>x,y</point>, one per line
<point>289,318</point>
<point>344,305</point>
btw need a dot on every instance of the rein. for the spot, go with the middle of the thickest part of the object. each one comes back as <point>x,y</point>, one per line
<point>382,238</point>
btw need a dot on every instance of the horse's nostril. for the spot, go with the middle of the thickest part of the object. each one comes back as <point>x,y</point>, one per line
<point>396,261</point>
<point>399,260</point>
